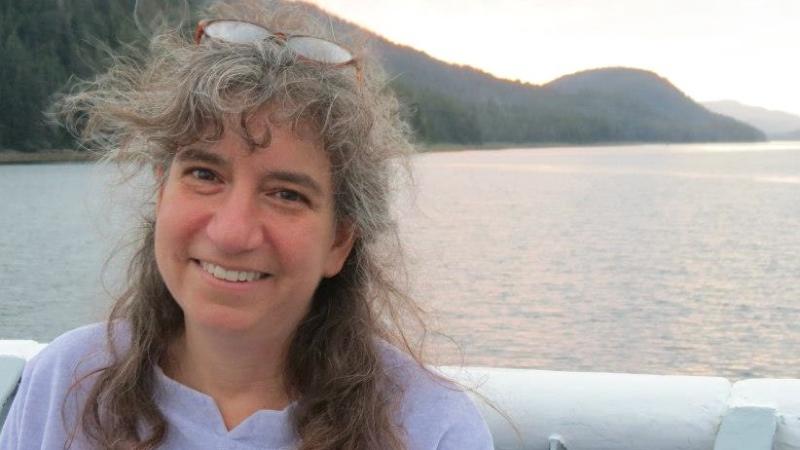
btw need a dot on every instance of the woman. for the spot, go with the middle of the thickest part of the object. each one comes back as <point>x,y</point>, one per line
<point>260,310</point>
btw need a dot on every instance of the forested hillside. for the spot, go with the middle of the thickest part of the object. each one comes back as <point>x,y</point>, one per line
<point>464,105</point>
<point>44,42</point>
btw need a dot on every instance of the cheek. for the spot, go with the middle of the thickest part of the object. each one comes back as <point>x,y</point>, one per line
<point>175,223</point>
<point>303,244</point>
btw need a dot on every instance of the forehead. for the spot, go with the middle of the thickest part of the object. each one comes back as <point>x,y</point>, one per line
<point>261,143</point>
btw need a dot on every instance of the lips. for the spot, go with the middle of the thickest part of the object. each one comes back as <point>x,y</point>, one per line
<point>237,276</point>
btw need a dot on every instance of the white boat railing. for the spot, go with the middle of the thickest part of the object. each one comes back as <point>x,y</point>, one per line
<point>548,410</point>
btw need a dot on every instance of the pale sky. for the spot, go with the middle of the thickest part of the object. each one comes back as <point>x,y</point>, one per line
<point>743,50</point>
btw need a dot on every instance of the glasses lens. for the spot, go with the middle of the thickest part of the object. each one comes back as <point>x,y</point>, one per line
<point>319,50</point>
<point>236,32</point>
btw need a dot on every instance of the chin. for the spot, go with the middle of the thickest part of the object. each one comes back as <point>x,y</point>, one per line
<point>220,318</point>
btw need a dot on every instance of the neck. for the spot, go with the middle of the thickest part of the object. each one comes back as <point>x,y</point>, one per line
<point>242,375</point>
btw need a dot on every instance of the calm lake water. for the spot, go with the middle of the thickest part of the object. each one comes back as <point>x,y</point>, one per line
<point>677,259</point>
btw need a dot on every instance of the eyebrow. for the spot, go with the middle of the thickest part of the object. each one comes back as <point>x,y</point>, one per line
<point>205,156</point>
<point>298,178</point>
<point>201,155</point>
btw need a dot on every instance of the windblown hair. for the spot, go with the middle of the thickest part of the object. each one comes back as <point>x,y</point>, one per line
<point>143,109</point>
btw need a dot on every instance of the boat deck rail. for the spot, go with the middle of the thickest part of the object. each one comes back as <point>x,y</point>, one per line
<point>549,410</point>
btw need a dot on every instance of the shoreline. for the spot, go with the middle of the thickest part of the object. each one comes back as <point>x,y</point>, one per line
<point>44,157</point>
<point>453,147</point>
<point>69,155</point>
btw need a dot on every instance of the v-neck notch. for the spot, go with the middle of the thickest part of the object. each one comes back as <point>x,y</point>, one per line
<point>190,408</point>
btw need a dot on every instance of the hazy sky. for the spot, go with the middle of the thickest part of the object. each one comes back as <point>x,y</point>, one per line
<point>744,50</point>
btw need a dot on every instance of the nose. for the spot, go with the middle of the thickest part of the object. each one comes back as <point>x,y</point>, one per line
<point>235,226</point>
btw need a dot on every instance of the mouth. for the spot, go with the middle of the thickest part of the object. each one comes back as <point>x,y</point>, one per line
<point>230,275</point>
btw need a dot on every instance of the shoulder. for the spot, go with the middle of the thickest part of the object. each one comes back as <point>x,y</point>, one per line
<point>83,342</point>
<point>435,412</point>
<point>76,353</point>
<point>69,363</point>
<point>54,382</point>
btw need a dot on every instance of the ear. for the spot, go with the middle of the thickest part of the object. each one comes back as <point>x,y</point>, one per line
<point>342,245</point>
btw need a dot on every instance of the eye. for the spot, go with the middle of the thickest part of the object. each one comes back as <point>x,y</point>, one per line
<point>290,195</point>
<point>202,180</point>
<point>203,174</point>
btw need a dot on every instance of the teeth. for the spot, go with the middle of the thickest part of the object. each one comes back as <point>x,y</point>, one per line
<point>230,275</point>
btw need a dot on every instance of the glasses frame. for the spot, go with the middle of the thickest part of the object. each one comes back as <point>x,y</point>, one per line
<point>283,38</point>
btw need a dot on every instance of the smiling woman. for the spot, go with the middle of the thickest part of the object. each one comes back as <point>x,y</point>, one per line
<point>260,312</point>
<point>244,236</point>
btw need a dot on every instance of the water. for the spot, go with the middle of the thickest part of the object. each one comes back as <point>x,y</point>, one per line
<point>679,259</point>
<point>54,242</point>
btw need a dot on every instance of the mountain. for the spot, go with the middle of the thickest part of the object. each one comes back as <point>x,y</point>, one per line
<point>452,103</point>
<point>790,136</point>
<point>44,42</point>
<point>638,105</point>
<point>776,124</point>
<point>600,105</point>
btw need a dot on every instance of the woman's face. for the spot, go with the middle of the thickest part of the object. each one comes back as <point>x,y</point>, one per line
<point>243,238</point>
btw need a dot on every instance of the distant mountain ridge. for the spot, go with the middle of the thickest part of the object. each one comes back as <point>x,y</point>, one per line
<point>776,124</point>
<point>599,105</point>
<point>43,43</point>
<point>641,105</point>
<point>451,103</point>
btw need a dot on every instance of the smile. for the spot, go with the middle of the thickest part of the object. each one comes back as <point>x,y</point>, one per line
<point>222,273</point>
